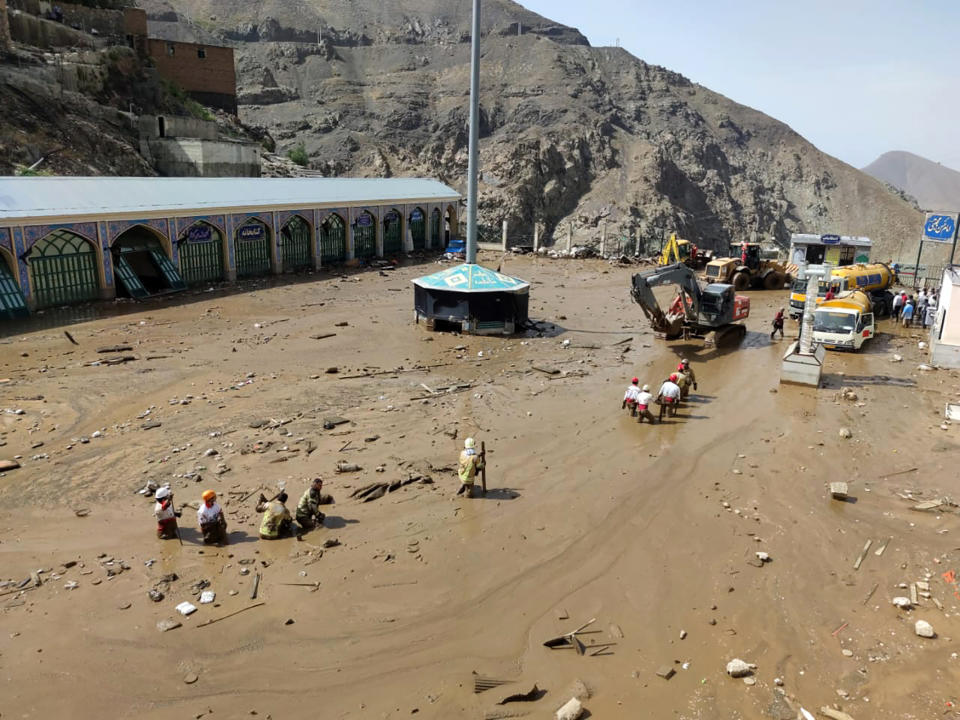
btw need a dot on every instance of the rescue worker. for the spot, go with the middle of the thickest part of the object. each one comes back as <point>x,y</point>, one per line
<point>308,509</point>
<point>685,368</point>
<point>644,399</point>
<point>276,521</point>
<point>683,382</point>
<point>470,464</point>
<point>213,525</point>
<point>165,514</point>
<point>669,397</point>
<point>630,397</point>
<point>777,324</point>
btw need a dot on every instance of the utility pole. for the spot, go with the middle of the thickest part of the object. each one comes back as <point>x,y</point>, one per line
<point>472,166</point>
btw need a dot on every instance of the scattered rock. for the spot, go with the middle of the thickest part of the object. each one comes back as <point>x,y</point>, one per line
<point>925,368</point>
<point>846,433</point>
<point>749,680</point>
<point>666,672</point>
<point>123,606</point>
<point>924,629</point>
<point>571,710</point>
<point>165,625</point>
<point>155,595</point>
<point>763,557</point>
<point>835,714</point>
<point>8,465</point>
<point>902,602</point>
<point>838,490</point>
<point>846,652</point>
<point>739,668</point>
<point>579,690</point>
<point>190,678</point>
<point>896,358</point>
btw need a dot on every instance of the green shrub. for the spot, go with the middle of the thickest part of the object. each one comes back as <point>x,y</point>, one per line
<point>299,155</point>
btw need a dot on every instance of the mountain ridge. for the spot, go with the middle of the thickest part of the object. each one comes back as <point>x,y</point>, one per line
<point>570,133</point>
<point>935,186</point>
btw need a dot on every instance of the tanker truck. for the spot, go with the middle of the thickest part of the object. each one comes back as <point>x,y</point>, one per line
<point>874,279</point>
<point>844,323</point>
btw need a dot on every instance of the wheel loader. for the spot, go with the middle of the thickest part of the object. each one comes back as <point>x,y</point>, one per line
<point>744,268</point>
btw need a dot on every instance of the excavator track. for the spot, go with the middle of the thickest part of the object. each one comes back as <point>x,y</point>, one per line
<point>728,334</point>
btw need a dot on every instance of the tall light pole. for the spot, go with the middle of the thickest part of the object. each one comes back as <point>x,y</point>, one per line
<point>472,165</point>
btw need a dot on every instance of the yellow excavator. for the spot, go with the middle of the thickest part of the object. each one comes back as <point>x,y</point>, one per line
<point>678,250</point>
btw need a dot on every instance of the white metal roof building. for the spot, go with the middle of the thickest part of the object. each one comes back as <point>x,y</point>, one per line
<point>945,331</point>
<point>72,239</point>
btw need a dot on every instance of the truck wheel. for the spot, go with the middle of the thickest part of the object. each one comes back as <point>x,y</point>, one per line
<point>741,281</point>
<point>772,281</point>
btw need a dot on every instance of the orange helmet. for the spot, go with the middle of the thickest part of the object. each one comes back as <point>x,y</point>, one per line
<point>208,495</point>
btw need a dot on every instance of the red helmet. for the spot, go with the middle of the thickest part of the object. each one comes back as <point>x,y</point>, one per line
<point>635,381</point>
<point>673,377</point>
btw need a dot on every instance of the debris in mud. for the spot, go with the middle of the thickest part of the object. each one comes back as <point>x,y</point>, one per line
<point>666,672</point>
<point>863,554</point>
<point>482,683</point>
<point>190,678</point>
<point>838,490</point>
<point>115,349</point>
<point>155,595</point>
<point>329,423</point>
<point>571,710</point>
<point>902,602</point>
<point>846,433</point>
<point>166,625</point>
<point>834,714</point>
<point>186,608</point>
<point>531,695</point>
<point>737,668</point>
<point>924,629</point>
<point>8,465</point>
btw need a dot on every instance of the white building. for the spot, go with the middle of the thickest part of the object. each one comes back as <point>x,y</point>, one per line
<point>945,332</point>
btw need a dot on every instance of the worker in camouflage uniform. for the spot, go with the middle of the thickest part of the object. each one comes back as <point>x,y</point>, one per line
<point>308,509</point>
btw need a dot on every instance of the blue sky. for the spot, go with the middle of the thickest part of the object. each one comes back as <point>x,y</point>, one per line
<point>855,77</point>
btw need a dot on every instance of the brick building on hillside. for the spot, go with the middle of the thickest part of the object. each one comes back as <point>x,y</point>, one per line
<point>206,72</point>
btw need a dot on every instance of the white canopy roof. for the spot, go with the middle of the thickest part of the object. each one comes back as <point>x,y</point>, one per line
<point>47,198</point>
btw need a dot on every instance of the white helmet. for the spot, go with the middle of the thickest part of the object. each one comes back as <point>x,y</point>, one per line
<point>646,388</point>
<point>162,493</point>
<point>469,443</point>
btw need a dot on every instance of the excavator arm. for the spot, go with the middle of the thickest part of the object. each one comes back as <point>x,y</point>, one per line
<point>678,274</point>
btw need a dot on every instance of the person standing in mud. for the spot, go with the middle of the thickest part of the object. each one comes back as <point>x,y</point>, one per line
<point>470,464</point>
<point>165,514</point>
<point>213,525</point>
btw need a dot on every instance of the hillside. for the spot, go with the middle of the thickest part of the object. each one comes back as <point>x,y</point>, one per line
<point>934,186</point>
<point>570,132</point>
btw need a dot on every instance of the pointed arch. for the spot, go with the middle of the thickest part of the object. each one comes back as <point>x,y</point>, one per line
<point>252,245</point>
<point>333,239</point>
<point>392,232</point>
<point>201,250</point>
<point>63,269</point>
<point>417,223</point>
<point>365,235</point>
<point>296,248</point>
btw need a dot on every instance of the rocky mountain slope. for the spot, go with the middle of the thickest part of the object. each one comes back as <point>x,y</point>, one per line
<point>570,133</point>
<point>934,186</point>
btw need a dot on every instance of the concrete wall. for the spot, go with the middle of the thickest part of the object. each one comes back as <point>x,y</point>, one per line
<point>177,127</point>
<point>206,72</point>
<point>4,28</point>
<point>190,157</point>
<point>32,30</point>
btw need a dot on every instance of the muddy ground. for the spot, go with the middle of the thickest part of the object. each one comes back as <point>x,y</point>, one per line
<point>652,531</point>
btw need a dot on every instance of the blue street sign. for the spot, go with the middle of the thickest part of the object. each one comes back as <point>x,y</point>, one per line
<point>830,239</point>
<point>939,228</point>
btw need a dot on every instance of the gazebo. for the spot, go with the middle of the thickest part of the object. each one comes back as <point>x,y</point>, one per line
<point>473,298</point>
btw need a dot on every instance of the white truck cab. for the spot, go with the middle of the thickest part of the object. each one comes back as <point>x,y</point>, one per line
<point>842,328</point>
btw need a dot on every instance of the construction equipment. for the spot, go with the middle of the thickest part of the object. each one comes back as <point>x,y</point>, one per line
<point>707,312</point>
<point>745,267</point>
<point>683,251</point>
<point>845,322</point>
<point>875,279</point>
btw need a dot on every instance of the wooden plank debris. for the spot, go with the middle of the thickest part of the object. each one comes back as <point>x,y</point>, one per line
<point>883,547</point>
<point>863,554</point>
<point>229,615</point>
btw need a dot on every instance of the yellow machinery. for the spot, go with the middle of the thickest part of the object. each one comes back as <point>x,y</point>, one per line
<point>678,250</point>
<point>875,279</point>
<point>746,268</point>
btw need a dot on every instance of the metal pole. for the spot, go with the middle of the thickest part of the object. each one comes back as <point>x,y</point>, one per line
<point>956,231</point>
<point>472,168</point>
<point>916,269</point>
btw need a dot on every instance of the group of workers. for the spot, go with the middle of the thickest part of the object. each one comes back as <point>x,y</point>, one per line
<point>672,391</point>
<point>276,521</point>
<point>920,309</point>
